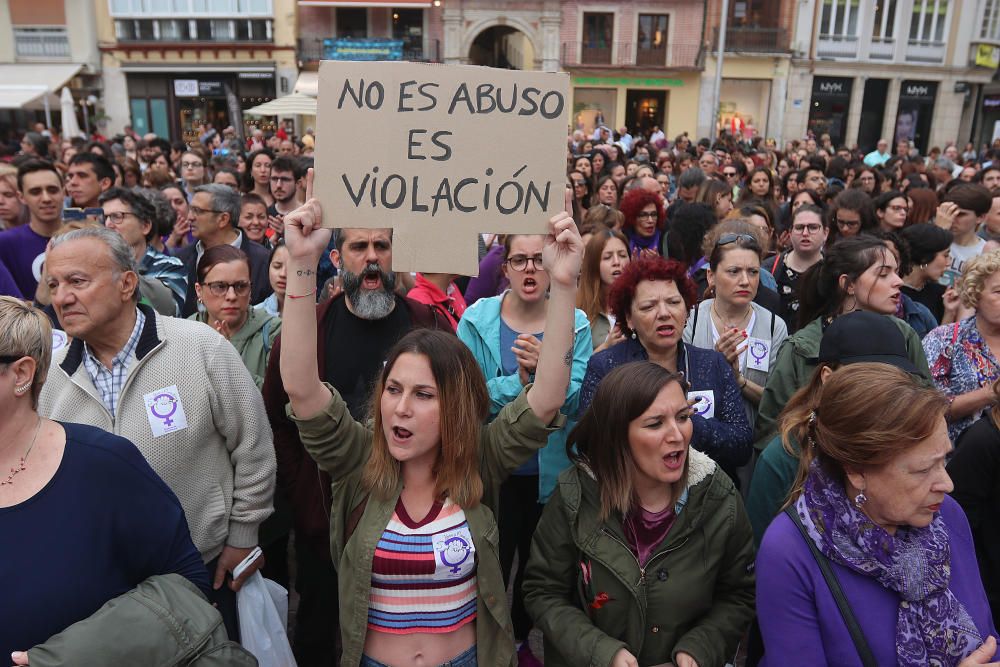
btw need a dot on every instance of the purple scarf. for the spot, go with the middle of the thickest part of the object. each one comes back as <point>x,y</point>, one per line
<point>638,242</point>
<point>932,626</point>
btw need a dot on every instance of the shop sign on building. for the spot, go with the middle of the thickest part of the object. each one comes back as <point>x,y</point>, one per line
<point>373,48</point>
<point>988,56</point>
<point>186,87</point>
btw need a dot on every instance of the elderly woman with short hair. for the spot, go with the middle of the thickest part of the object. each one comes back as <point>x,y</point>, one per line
<point>91,518</point>
<point>872,562</point>
<point>960,355</point>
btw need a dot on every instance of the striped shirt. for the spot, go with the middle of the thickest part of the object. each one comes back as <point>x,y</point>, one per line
<point>424,573</point>
<point>109,381</point>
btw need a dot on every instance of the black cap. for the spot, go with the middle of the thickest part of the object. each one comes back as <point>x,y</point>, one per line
<point>862,336</point>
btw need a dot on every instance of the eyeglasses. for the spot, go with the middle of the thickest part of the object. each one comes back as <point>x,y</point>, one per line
<point>520,262</point>
<point>118,217</point>
<point>197,210</point>
<point>848,224</point>
<point>10,358</point>
<point>579,184</point>
<point>802,229</point>
<point>192,165</point>
<point>729,174</point>
<point>647,215</point>
<point>726,239</point>
<point>221,288</point>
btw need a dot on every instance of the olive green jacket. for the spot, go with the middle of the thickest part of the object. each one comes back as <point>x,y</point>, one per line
<point>797,358</point>
<point>588,595</point>
<point>253,341</point>
<point>164,622</point>
<point>341,446</point>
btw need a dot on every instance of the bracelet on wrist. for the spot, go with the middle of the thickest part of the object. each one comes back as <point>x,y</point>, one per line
<point>300,296</point>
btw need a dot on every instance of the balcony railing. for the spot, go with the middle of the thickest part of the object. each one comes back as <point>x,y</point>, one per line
<point>837,46</point>
<point>629,54</point>
<point>49,43</point>
<point>311,51</point>
<point>925,51</point>
<point>742,39</point>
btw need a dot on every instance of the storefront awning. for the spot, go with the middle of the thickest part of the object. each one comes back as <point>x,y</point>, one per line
<point>307,84</point>
<point>365,3</point>
<point>295,104</point>
<point>24,86</point>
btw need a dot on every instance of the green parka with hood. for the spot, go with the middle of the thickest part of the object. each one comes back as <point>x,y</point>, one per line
<point>587,593</point>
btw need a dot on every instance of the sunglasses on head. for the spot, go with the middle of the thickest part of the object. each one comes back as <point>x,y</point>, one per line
<point>726,239</point>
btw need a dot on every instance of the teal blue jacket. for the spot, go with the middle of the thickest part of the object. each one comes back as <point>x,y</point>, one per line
<point>479,329</point>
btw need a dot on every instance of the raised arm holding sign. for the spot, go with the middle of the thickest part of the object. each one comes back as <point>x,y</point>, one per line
<point>457,150</point>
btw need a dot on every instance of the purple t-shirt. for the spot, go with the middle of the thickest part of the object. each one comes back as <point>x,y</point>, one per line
<point>646,530</point>
<point>799,618</point>
<point>22,251</point>
<point>7,285</point>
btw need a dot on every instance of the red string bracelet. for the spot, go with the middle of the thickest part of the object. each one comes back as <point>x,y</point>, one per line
<point>300,296</point>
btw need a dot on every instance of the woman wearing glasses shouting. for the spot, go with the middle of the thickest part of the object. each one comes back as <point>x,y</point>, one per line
<point>223,289</point>
<point>505,335</point>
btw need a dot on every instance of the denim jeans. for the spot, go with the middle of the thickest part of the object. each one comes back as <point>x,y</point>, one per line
<point>466,659</point>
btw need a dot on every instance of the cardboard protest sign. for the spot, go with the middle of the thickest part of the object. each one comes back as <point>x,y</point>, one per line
<point>440,153</point>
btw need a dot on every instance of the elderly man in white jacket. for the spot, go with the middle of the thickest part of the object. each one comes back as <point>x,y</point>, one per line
<point>175,388</point>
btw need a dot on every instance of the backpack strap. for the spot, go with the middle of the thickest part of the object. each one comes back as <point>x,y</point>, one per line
<point>857,635</point>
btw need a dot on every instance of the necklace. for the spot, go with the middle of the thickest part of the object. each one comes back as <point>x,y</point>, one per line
<point>730,325</point>
<point>21,466</point>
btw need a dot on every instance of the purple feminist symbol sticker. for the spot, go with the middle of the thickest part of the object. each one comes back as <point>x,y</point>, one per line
<point>704,406</point>
<point>454,552</point>
<point>758,351</point>
<point>163,401</point>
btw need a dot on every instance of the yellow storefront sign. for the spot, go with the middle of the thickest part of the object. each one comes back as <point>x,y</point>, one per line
<point>988,55</point>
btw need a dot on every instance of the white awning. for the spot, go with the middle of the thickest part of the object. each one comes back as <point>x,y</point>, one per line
<point>307,84</point>
<point>295,104</point>
<point>22,86</point>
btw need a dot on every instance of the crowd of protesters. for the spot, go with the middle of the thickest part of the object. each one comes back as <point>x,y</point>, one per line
<point>739,404</point>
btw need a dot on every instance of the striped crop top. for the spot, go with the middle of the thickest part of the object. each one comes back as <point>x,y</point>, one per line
<point>424,573</point>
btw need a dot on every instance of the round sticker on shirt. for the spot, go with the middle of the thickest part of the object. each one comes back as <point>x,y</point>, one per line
<point>454,552</point>
<point>704,405</point>
<point>59,340</point>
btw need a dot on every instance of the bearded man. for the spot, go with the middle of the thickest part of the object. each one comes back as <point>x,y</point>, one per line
<point>356,329</point>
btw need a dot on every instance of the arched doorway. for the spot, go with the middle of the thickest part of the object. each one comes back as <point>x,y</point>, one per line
<point>504,47</point>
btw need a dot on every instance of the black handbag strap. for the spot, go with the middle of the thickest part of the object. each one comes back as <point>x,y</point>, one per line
<point>857,635</point>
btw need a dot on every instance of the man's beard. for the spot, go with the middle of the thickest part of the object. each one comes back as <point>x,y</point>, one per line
<point>369,304</point>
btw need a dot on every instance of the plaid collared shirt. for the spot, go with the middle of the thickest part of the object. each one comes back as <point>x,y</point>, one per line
<point>109,382</point>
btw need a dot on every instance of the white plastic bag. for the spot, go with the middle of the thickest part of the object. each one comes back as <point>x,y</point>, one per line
<point>263,608</point>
